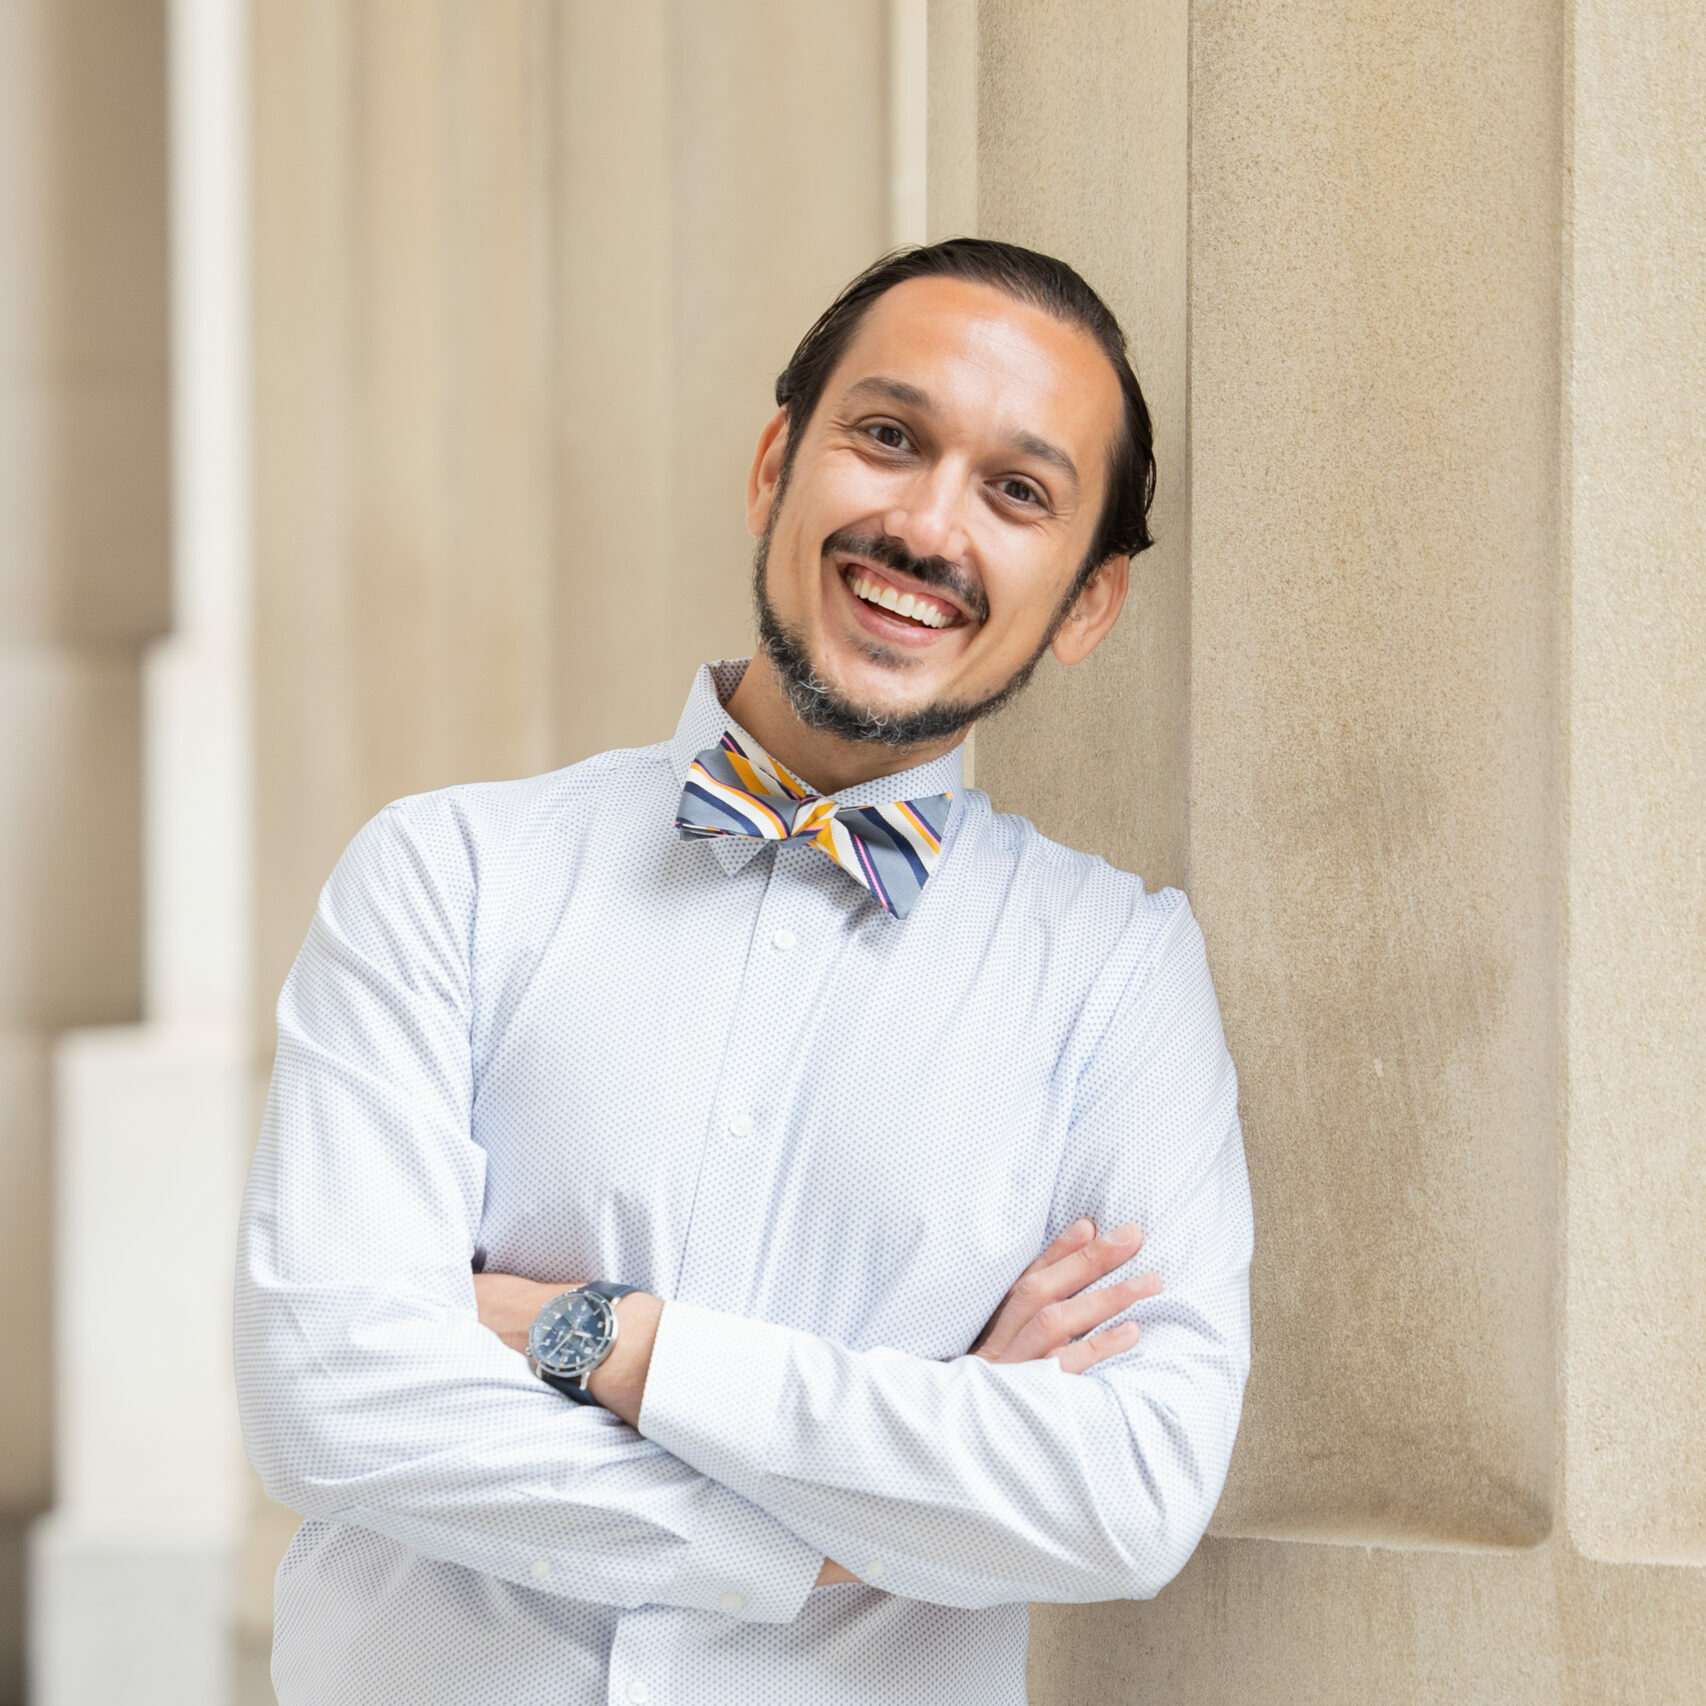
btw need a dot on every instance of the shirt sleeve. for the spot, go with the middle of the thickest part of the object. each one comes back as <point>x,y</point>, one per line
<point>970,1484</point>
<point>370,1394</point>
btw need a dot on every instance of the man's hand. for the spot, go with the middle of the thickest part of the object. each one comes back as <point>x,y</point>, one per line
<point>1044,1313</point>
<point>508,1305</point>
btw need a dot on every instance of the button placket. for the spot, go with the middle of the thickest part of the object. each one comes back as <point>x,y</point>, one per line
<point>640,1656</point>
<point>749,1112</point>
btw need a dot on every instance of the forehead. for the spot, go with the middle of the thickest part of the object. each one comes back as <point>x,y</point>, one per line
<point>988,362</point>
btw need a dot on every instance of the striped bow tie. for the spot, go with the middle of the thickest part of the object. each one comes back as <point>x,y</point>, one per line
<point>739,789</point>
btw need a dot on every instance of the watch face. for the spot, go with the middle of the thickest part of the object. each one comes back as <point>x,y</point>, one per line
<point>572,1333</point>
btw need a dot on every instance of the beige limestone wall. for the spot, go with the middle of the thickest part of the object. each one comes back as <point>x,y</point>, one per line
<point>519,307</point>
<point>1375,260</point>
<point>83,581</point>
<point>723,170</point>
<point>403,346</point>
<point>1368,748</point>
<point>1033,140</point>
<point>1636,495</point>
<point>1444,801</point>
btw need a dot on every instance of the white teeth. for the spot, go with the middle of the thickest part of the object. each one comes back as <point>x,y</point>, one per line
<point>902,604</point>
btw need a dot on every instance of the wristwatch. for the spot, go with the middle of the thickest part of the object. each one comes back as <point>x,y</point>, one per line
<point>573,1334</point>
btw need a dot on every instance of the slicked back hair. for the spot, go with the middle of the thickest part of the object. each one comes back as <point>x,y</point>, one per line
<point>1041,282</point>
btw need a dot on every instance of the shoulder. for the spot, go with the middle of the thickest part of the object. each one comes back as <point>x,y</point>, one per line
<point>1097,931</point>
<point>462,839</point>
<point>1069,891</point>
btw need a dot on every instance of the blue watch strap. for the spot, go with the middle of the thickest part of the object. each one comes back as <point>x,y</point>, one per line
<point>609,1290</point>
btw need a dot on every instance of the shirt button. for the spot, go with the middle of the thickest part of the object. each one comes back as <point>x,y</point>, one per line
<point>741,1126</point>
<point>731,1602</point>
<point>637,1692</point>
<point>783,941</point>
<point>540,1567</point>
<point>873,1569</point>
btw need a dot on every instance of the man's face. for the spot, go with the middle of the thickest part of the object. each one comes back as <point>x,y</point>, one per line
<point>957,463</point>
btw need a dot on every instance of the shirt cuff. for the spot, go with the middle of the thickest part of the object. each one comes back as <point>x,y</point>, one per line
<point>748,1567</point>
<point>713,1391</point>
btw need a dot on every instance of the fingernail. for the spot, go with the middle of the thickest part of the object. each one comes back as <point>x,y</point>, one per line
<point>1125,1235</point>
<point>1081,1228</point>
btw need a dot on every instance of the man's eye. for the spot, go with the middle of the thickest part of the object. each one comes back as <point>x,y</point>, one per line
<point>1020,491</point>
<point>888,435</point>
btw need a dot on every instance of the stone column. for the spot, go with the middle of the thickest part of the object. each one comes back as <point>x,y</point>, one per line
<point>1635,1004</point>
<point>83,586</point>
<point>132,1571</point>
<point>723,172</point>
<point>1430,769</point>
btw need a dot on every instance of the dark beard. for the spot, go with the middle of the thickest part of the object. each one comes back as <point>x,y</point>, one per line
<point>819,706</point>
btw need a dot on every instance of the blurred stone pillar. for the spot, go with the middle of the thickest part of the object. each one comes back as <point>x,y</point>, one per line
<point>1411,701</point>
<point>83,587</point>
<point>723,170</point>
<point>525,272</point>
<point>131,1587</point>
<point>404,424</point>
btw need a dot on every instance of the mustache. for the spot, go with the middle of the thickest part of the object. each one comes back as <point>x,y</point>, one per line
<point>884,549</point>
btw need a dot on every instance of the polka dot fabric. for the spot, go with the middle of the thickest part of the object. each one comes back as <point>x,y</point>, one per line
<point>533,1031</point>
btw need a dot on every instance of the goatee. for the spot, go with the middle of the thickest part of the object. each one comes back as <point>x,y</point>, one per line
<point>816,702</point>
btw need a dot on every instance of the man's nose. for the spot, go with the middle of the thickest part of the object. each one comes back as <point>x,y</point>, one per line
<point>929,519</point>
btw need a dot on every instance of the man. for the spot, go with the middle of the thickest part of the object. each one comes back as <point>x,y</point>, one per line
<point>839,1070</point>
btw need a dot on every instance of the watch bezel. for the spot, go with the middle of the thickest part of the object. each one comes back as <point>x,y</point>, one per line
<point>608,1323</point>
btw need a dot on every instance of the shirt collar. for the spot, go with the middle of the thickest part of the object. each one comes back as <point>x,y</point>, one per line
<point>703,720</point>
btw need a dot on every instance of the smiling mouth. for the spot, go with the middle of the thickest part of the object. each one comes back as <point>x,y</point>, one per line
<point>919,608</point>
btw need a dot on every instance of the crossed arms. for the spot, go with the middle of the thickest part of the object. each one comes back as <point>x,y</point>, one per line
<point>1050,1312</point>
<point>373,1395</point>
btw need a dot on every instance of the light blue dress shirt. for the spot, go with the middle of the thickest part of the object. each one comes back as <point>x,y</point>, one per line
<point>533,1031</point>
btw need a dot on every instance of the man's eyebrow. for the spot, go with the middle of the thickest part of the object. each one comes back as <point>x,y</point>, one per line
<point>910,397</point>
<point>1028,444</point>
<point>891,391</point>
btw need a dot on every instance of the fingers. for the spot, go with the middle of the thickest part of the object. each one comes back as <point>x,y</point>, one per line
<point>1075,1237</point>
<point>1083,1264</point>
<point>1075,1359</point>
<point>1055,1325</point>
<point>1029,1291</point>
<point>1074,1261</point>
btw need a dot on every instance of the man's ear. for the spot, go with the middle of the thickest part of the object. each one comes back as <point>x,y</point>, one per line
<point>1095,611</point>
<point>766,472</point>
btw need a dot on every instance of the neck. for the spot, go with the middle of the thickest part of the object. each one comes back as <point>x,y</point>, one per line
<point>761,706</point>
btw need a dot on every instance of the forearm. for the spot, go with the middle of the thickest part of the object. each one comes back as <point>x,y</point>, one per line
<point>426,1429</point>
<point>960,1483</point>
<point>508,1306</point>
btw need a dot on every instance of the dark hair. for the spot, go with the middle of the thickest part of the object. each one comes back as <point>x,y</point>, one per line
<point>1026,276</point>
